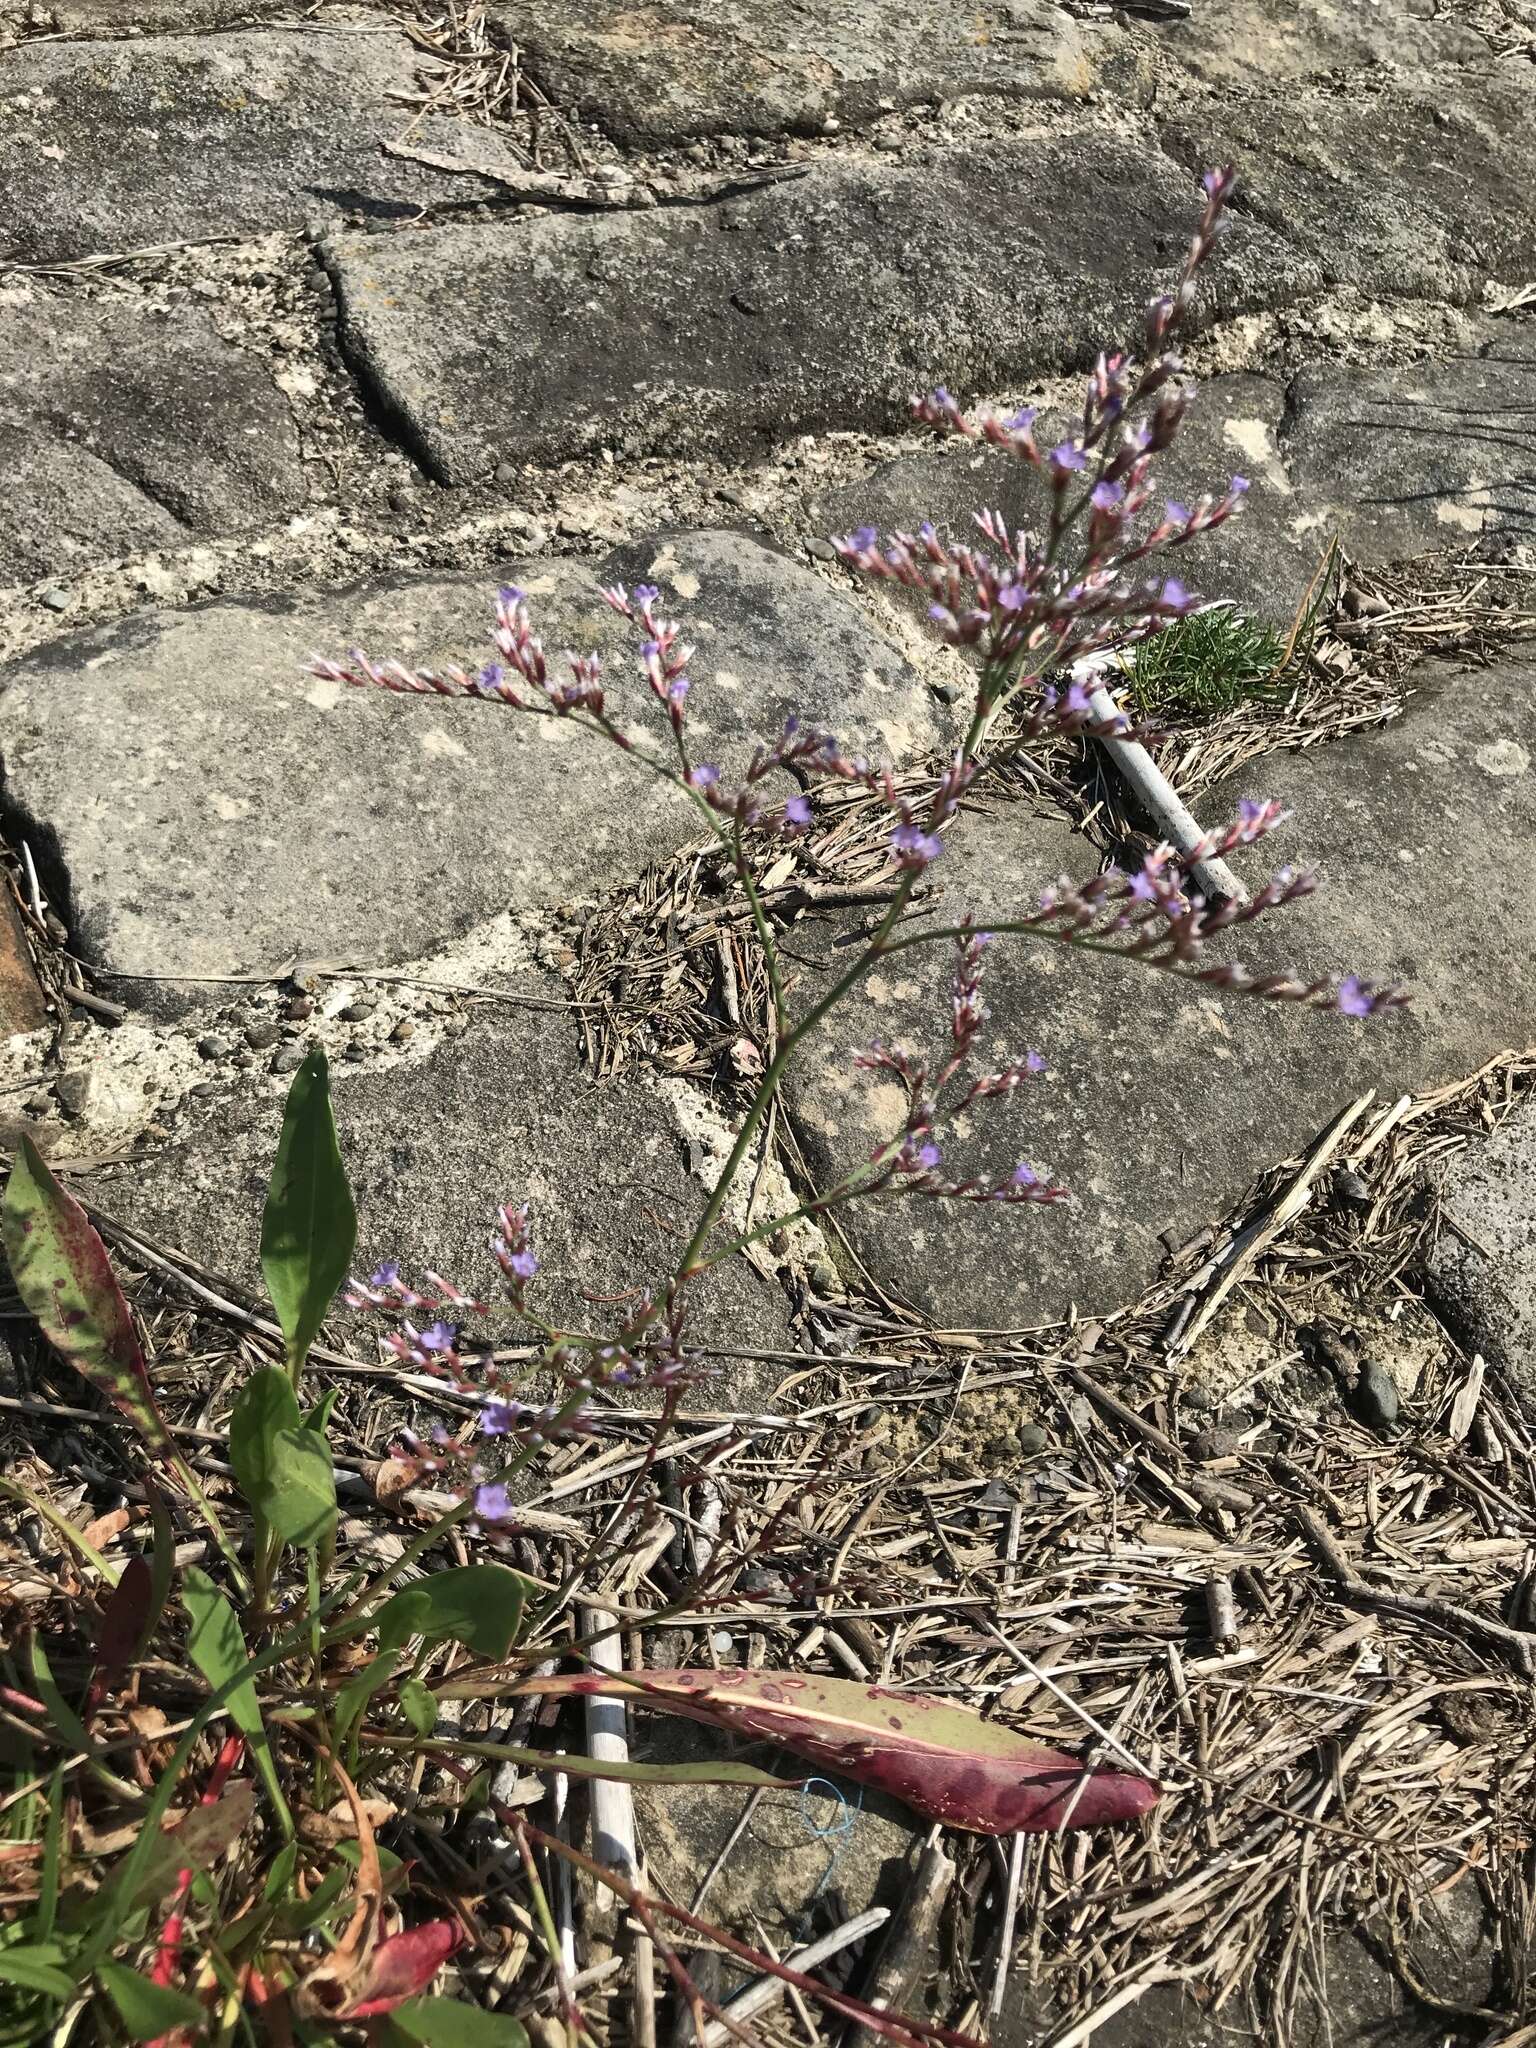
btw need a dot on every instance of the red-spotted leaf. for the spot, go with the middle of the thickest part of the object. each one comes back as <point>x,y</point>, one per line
<point>401,1967</point>
<point>945,1761</point>
<point>65,1278</point>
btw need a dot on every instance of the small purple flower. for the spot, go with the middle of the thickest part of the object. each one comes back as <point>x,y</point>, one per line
<point>1021,421</point>
<point>1106,497</point>
<point>677,689</point>
<point>928,1158</point>
<point>510,595</point>
<point>1176,514</point>
<point>523,1263</point>
<point>703,776</point>
<point>1142,888</point>
<point>492,1504</point>
<point>915,848</point>
<point>1174,597</point>
<point>1354,997</point>
<point>645,593</point>
<point>797,812</point>
<point>1238,485</point>
<point>385,1275</point>
<point>1034,1062</point>
<point>1067,455</point>
<point>496,1418</point>
<point>1024,1175</point>
<point>438,1337</point>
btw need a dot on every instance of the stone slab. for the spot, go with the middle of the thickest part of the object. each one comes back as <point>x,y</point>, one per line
<point>120,431</point>
<point>820,302</point>
<point>130,17</point>
<point>669,70</point>
<point>208,809</point>
<point>115,146</point>
<point>1259,559</point>
<point>1310,39</point>
<point>503,1112</point>
<point>1163,1101</point>
<point>1394,194</point>
<point>1482,1270</point>
<point>1402,460</point>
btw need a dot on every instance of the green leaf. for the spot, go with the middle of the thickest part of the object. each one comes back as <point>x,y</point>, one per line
<point>479,1605</point>
<point>359,1690</point>
<point>199,1840</point>
<point>446,2023</point>
<point>65,1279</point>
<point>148,2010</point>
<point>419,1705</point>
<point>36,1968</point>
<point>309,1227</point>
<point>319,1417</point>
<point>218,1650</point>
<point>283,1467</point>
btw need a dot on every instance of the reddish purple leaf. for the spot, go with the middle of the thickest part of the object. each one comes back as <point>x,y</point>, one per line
<point>125,1621</point>
<point>401,1967</point>
<point>945,1761</point>
<point>65,1278</point>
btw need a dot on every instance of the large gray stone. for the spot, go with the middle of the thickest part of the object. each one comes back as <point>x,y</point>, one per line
<point>120,432</point>
<point>1164,1100</point>
<point>821,302</point>
<point>1250,40</point>
<point>502,1113</point>
<point>1405,459</point>
<point>672,69</point>
<point>128,17</point>
<point>116,145</point>
<point>211,809</point>
<point>1483,1266</point>
<point>1396,195</point>
<point>1259,559</point>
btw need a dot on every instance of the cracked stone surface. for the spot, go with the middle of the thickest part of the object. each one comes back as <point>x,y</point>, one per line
<point>1392,193</point>
<point>213,810</point>
<point>1160,1105</point>
<point>817,302</point>
<point>1482,1269</point>
<point>125,430</point>
<point>111,146</point>
<point>1311,39</point>
<point>670,70</point>
<point>1409,459</point>
<point>502,1112</point>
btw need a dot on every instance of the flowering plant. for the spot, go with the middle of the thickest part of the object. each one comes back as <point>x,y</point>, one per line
<point>1030,609</point>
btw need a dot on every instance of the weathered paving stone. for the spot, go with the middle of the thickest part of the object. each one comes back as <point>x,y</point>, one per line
<point>1395,194</point>
<point>129,17</point>
<point>210,809</point>
<point>113,146</point>
<point>502,1112</point>
<point>1483,1266</point>
<point>675,69</point>
<point>1163,1101</point>
<point>1405,459</point>
<point>121,432</point>
<point>820,302</point>
<point>1306,39</point>
<point>1260,560</point>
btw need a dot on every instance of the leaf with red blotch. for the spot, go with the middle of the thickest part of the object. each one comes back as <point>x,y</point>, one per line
<point>945,1761</point>
<point>126,1621</point>
<point>400,1967</point>
<point>65,1278</point>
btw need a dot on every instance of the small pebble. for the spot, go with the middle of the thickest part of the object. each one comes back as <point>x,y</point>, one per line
<point>759,1581</point>
<point>504,473</point>
<point>354,1013</point>
<point>242,1059</point>
<point>1376,1397</point>
<point>998,1499</point>
<point>1032,1439</point>
<point>403,1030</point>
<point>259,1036</point>
<point>57,600</point>
<point>300,1008</point>
<point>353,1051</point>
<point>38,1105</point>
<point>74,1091</point>
<point>287,1059</point>
<point>203,1090</point>
<point>823,550</point>
<point>213,1047</point>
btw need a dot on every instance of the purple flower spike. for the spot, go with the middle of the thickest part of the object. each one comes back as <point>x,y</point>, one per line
<point>797,812</point>
<point>1354,997</point>
<point>496,1418</point>
<point>385,1275</point>
<point>1238,485</point>
<point>645,593</point>
<point>524,1264</point>
<point>1106,497</point>
<point>438,1337</point>
<point>492,1504</point>
<point>915,848</point>
<point>1068,456</point>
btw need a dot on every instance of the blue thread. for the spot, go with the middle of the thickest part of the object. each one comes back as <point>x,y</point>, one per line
<point>837,1831</point>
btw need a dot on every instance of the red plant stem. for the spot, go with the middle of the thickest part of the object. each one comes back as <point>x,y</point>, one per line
<point>909,2033</point>
<point>169,1949</point>
<point>23,1704</point>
